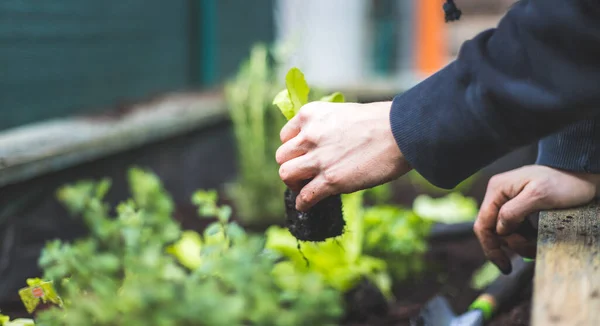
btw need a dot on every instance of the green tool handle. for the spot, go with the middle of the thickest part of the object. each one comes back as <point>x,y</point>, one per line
<point>504,287</point>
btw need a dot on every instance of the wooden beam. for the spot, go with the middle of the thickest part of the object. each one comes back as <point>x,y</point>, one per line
<point>49,146</point>
<point>567,277</point>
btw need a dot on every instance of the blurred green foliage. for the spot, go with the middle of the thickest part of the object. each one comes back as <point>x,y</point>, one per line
<point>340,261</point>
<point>384,243</point>
<point>258,190</point>
<point>130,271</point>
<point>398,236</point>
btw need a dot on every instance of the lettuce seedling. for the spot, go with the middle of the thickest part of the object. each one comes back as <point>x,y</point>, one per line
<point>398,236</point>
<point>340,262</point>
<point>325,219</point>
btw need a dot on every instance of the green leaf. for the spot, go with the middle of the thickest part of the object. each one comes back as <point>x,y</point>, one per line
<point>187,249</point>
<point>452,208</point>
<point>336,97</point>
<point>283,101</point>
<point>235,231</point>
<point>18,322</point>
<point>340,262</point>
<point>224,214</point>
<point>297,87</point>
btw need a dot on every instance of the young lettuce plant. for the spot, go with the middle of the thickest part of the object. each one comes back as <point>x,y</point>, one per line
<point>399,235</point>
<point>324,220</point>
<point>340,262</point>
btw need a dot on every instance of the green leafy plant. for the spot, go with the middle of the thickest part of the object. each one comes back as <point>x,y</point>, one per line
<point>325,219</point>
<point>140,268</point>
<point>398,236</point>
<point>296,94</point>
<point>340,261</point>
<point>380,195</point>
<point>452,208</point>
<point>257,190</point>
<point>5,321</point>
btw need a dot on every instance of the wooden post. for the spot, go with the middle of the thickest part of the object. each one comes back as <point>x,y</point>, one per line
<point>567,277</point>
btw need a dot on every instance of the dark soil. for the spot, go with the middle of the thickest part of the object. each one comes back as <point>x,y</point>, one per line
<point>453,264</point>
<point>323,221</point>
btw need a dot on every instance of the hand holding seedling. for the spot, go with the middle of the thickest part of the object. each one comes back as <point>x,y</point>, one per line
<point>340,147</point>
<point>512,196</point>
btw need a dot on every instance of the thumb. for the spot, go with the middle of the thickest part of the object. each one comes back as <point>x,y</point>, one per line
<point>514,211</point>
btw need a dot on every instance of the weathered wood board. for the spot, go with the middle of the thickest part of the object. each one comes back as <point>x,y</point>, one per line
<point>53,145</point>
<point>567,277</point>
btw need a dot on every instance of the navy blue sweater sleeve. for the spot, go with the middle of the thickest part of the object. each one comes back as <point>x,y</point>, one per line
<point>575,148</point>
<point>534,74</point>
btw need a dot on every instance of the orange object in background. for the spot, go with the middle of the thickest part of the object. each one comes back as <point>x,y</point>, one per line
<point>430,39</point>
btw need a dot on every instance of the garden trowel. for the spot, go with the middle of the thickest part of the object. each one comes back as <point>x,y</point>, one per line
<point>437,312</point>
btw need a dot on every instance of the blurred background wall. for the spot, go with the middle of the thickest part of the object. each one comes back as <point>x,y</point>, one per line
<point>59,58</point>
<point>66,57</point>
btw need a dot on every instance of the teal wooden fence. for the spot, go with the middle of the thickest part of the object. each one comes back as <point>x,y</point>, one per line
<point>59,58</point>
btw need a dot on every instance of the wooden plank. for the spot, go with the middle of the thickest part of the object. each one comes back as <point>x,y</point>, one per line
<point>53,145</point>
<point>567,280</point>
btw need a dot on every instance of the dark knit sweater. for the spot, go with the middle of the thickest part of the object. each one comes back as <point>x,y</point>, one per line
<point>536,77</point>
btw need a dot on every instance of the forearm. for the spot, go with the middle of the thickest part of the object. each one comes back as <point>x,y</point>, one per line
<point>509,87</point>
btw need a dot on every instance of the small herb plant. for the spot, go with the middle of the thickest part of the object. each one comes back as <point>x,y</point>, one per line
<point>140,268</point>
<point>325,219</point>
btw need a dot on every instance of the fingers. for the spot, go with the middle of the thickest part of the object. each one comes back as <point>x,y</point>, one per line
<point>315,191</point>
<point>295,172</point>
<point>492,247</point>
<point>513,212</point>
<point>293,148</point>
<point>522,246</point>
<point>485,226</point>
<point>291,129</point>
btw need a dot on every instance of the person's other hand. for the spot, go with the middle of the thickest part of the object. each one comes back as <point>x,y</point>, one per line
<point>340,148</point>
<point>514,195</point>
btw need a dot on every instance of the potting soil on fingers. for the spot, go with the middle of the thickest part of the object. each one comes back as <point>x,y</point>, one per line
<point>323,221</point>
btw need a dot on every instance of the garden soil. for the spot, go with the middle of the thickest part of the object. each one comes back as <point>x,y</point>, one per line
<point>456,261</point>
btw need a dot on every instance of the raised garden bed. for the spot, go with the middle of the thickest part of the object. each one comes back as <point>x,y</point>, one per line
<point>205,159</point>
<point>452,264</point>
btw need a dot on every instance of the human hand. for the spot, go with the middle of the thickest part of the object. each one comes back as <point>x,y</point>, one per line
<point>340,148</point>
<point>514,195</point>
